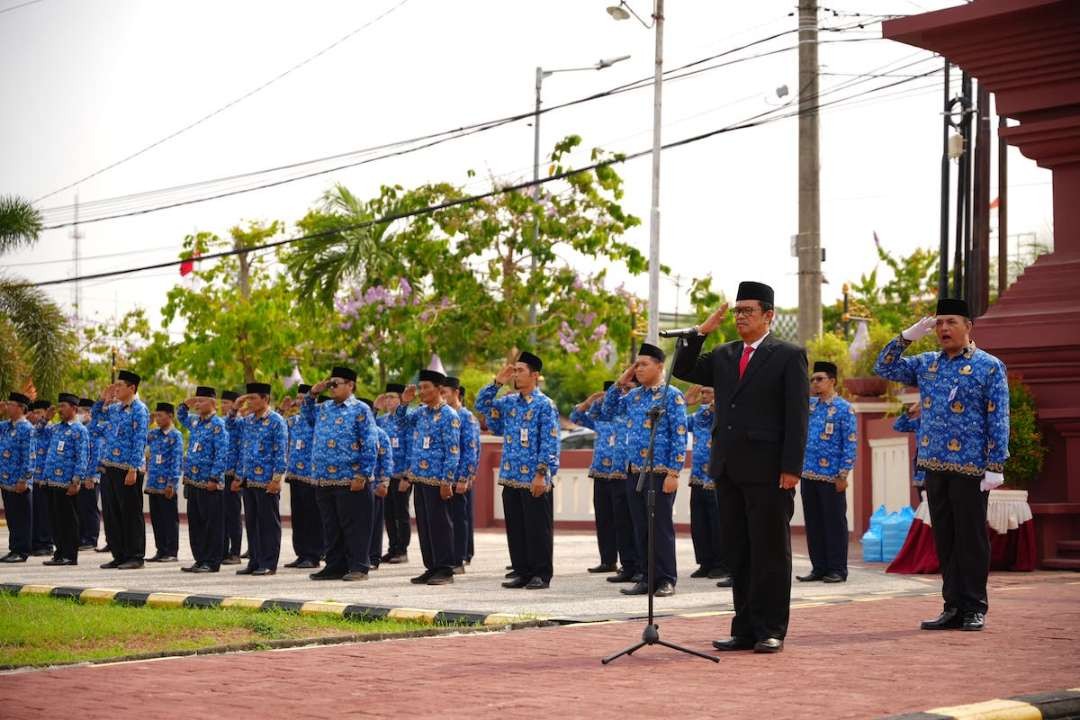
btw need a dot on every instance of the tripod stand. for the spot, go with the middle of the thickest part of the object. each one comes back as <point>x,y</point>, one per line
<point>651,634</point>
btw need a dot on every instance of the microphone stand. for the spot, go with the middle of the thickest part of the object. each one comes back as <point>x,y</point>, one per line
<point>651,634</point>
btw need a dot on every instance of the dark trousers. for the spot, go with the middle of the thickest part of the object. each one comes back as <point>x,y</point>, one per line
<point>41,530</point>
<point>825,513</point>
<point>128,541</point>
<point>262,520</point>
<point>234,528</point>
<point>470,545</point>
<point>346,519</point>
<point>89,515</point>
<point>396,514</point>
<point>434,528</point>
<point>705,528</point>
<point>206,525</point>
<point>603,501</point>
<point>461,515</point>
<point>19,513</point>
<point>958,519</point>
<point>755,534</point>
<point>378,513</point>
<point>625,541</point>
<point>307,524</point>
<point>530,531</point>
<point>664,540</point>
<point>165,520</point>
<point>64,518</point>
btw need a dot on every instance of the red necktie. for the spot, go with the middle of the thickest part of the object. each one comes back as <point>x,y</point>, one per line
<point>747,351</point>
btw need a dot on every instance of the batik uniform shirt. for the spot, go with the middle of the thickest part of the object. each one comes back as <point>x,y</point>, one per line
<point>384,459</point>
<point>434,443</point>
<point>65,458</point>
<point>98,427</point>
<point>830,440</point>
<point>470,446</point>
<point>300,436</point>
<point>16,453</point>
<point>907,424</point>
<point>529,426</point>
<point>232,453</point>
<point>964,424</point>
<point>41,439</point>
<point>263,440</point>
<point>207,457</point>
<point>607,446</point>
<point>701,423</point>
<point>164,456</point>
<point>125,436</point>
<point>399,441</point>
<point>670,448</point>
<point>344,443</point>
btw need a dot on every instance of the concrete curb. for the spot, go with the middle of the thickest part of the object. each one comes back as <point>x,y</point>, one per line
<point>139,598</point>
<point>1057,705</point>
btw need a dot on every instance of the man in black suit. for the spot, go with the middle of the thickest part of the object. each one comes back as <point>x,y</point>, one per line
<point>759,436</point>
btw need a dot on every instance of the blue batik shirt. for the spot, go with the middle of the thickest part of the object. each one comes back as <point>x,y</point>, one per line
<point>344,441</point>
<point>399,440</point>
<point>964,424</point>
<point>670,449</point>
<point>98,427</point>
<point>470,446</point>
<point>263,440</point>
<point>125,437</point>
<point>384,460</point>
<point>300,435</point>
<point>207,458</point>
<point>830,440</point>
<point>701,423</point>
<point>16,453</point>
<point>907,424</point>
<point>607,461</point>
<point>164,455</point>
<point>434,443</point>
<point>65,458</point>
<point>530,428</point>
<point>232,453</point>
<point>41,439</point>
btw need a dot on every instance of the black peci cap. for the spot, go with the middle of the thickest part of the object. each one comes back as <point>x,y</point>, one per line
<point>826,367</point>
<point>432,376</point>
<point>40,405</point>
<point>344,373</point>
<point>303,389</point>
<point>19,398</point>
<point>953,306</point>
<point>395,388</point>
<point>206,392</point>
<point>452,382</point>
<point>258,388</point>
<point>229,395</point>
<point>128,377</point>
<point>86,402</point>
<point>750,290</point>
<point>69,399</point>
<point>535,364</point>
<point>165,407</point>
<point>651,351</point>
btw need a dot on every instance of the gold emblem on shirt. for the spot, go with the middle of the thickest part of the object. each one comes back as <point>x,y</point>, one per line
<point>966,370</point>
<point>954,445</point>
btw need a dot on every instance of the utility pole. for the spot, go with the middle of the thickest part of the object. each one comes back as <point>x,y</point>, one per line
<point>1003,208</point>
<point>809,243</point>
<point>653,335</point>
<point>943,251</point>
<point>76,289</point>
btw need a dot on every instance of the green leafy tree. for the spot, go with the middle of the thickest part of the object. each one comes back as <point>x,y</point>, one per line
<point>1026,447</point>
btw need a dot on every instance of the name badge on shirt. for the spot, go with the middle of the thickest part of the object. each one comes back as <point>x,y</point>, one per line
<point>196,448</point>
<point>158,459</point>
<point>828,428</point>
<point>611,441</point>
<point>952,394</point>
<point>393,442</point>
<point>524,436</point>
<point>60,446</point>
<point>427,442</point>
<point>299,444</point>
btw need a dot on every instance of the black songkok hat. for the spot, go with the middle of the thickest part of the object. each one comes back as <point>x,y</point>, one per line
<point>395,388</point>
<point>651,351</point>
<point>370,403</point>
<point>826,367</point>
<point>344,373</point>
<point>258,388</point>
<point>19,398</point>
<point>461,390</point>
<point>207,392</point>
<point>303,389</point>
<point>40,405</point>
<point>534,363</point>
<point>69,399</point>
<point>128,377</point>
<point>608,384</point>
<point>452,382</point>
<point>953,306</point>
<point>750,290</point>
<point>86,402</point>
<point>229,395</point>
<point>432,376</point>
<point>165,407</point>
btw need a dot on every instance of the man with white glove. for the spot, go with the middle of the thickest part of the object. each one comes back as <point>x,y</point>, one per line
<point>963,442</point>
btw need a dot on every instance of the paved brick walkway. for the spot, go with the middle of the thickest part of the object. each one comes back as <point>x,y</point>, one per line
<point>861,659</point>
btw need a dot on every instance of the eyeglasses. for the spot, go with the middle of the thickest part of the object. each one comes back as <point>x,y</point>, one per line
<point>819,378</point>
<point>743,311</point>
<point>334,383</point>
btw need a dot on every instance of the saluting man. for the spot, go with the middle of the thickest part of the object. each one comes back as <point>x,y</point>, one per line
<point>963,445</point>
<point>65,463</point>
<point>830,455</point>
<point>17,476</point>
<point>668,459</point>
<point>704,507</point>
<point>89,514</point>
<point>205,478</point>
<point>602,470</point>
<point>307,528</point>
<point>461,503</point>
<point>396,510</point>
<point>41,540</point>
<point>164,455</point>
<point>264,438</point>
<point>529,423</point>
<point>232,499</point>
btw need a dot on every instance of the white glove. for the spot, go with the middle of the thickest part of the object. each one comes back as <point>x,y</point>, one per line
<point>920,329</point>
<point>991,481</point>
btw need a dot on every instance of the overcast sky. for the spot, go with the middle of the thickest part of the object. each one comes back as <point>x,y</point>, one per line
<point>85,83</point>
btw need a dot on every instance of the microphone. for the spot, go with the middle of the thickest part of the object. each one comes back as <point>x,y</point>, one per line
<point>680,333</point>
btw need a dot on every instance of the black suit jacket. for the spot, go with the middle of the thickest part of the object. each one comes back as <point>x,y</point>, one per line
<point>760,425</point>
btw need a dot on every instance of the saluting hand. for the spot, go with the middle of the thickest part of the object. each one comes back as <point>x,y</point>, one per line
<point>190,402</point>
<point>713,321</point>
<point>693,395</point>
<point>409,395</point>
<point>627,378</point>
<point>318,387</point>
<point>505,375</point>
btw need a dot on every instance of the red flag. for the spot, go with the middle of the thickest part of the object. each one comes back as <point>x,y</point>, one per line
<point>995,203</point>
<point>188,266</point>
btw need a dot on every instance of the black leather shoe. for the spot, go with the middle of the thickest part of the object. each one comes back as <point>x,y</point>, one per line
<point>202,569</point>
<point>103,548</point>
<point>717,574</point>
<point>262,572</point>
<point>87,546</point>
<point>246,571</point>
<point>734,643</point>
<point>725,582</point>
<point>973,621</point>
<point>664,589</point>
<point>422,578</point>
<point>769,645</point>
<point>326,574</point>
<point>701,572</point>
<point>41,552</point>
<point>156,558</point>
<point>832,578</point>
<point>130,565</point>
<point>949,619</point>
<point>640,588</point>
<point>441,578</point>
<point>622,577</point>
<point>190,568</point>
<point>603,568</point>
<point>13,558</point>
<point>639,577</point>
<point>398,559</point>
<point>60,562</point>
<point>354,576</point>
<point>293,564</point>
<point>512,575</point>
<point>516,584</point>
<point>386,557</point>
<point>538,583</point>
<point>230,560</point>
<point>245,556</point>
<point>167,559</point>
<point>111,565</point>
<point>812,577</point>
<point>306,564</point>
<point>459,570</point>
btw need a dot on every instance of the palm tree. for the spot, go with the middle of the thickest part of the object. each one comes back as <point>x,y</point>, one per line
<point>34,338</point>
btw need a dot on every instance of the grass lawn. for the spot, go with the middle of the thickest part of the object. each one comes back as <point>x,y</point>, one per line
<point>38,631</point>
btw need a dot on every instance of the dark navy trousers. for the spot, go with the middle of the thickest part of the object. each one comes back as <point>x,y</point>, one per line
<point>64,517</point>
<point>19,513</point>
<point>603,498</point>
<point>262,520</point>
<point>530,531</point>
<point>378,512</point>
<point>206,525</point>
<point>825,516</point>
<point>664,543</point>
<point>41,531</point>
<point>461,515</point>
<point>346,519</point>
<point>397,520</point>
<point>89,516</point>
<point>434,528</point>
<point>705,527</point>
<point>307,525</point>
<point>234,528</point>
<point>165,520</point>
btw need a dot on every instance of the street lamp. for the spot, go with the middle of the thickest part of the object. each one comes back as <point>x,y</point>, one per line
<point>622,11</point>
<point>541,73</point>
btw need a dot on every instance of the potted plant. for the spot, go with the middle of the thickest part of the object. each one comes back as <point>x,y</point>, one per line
<point>863,383</point>
<point>1026,448</point>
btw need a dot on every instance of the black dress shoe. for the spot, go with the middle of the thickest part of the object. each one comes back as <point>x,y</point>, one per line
<point>442,577</point>
<point>603,568</point>
<point>190,568</point>
<point>202,569</point>
<point>248,570</point>
<point>718,574</point>
<point>622,577</point>
<point>640,588</point>
<point>832,578</point>
<point>306,564</point>
<point>538,583</point>
<point>664,589</point>
<point>167,559</point>
<point>246,555</point>
<point>701,572</point>
<point>517,583</point>
<point>973,621</point>
<point>949,619</point>
<point>41,552</point>
<point>103,548</point>
<point>60,562</point>
<point>459,570</point>
<point>812,577</point>
<point>508,567</point>
<point>13,558</point>
<point>726,582</point>
<point>734,643</point>
<point>111,565</point>
<point>293,564</point>
<point>386,557</point>
<point>88,546</point>
<point>769,645</point>
<point>639,577</point>
<point>326,574</point>
<point>354,576</point>
<point>261,572</point>
<point>130,565</point>
<point>398,559</point>
<point>422,578</point>
<point>375,562</point>
<point>230,560</point>
<point>512,575</point>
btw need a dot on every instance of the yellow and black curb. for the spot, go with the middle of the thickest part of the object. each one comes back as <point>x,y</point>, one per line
<point>353,611</point>
<point>1057,705</point>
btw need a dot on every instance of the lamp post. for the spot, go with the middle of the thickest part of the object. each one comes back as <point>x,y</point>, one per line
<point>541,73</point>
<point>622,11</point>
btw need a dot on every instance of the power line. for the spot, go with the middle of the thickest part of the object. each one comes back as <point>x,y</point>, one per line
<point>21,5</point>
